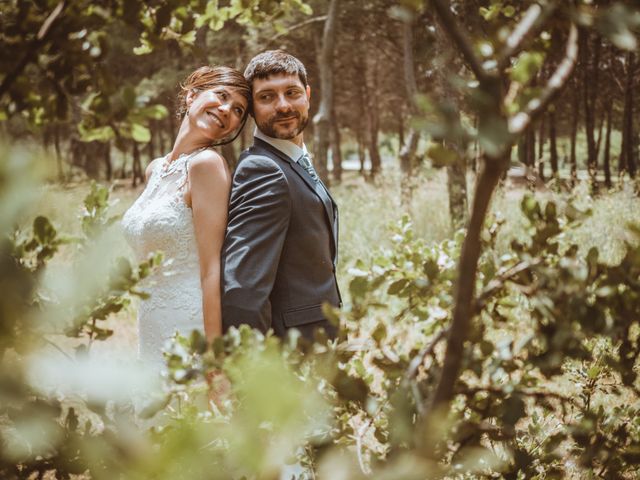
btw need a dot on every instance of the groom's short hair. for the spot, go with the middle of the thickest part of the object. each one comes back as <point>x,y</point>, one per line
<point>274,62</point>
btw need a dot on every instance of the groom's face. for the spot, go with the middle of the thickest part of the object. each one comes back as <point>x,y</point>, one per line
<point>281,106</point>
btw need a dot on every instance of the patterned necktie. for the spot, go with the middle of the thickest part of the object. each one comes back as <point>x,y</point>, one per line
<point>305,162</point>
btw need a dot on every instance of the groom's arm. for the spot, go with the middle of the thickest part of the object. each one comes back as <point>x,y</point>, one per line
<point>259,211</point>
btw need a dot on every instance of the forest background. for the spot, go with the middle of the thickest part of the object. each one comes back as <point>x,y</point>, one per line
<point>484,157</point>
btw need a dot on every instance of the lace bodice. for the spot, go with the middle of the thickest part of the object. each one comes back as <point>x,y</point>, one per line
<point>160,220</point>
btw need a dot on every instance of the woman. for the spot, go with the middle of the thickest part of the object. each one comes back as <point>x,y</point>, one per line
<point>183,212</point>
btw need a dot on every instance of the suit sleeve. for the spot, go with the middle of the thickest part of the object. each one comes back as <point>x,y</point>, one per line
<point>259,212</point>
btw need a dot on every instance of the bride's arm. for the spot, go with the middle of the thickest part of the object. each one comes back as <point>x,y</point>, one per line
<point>209,184</point>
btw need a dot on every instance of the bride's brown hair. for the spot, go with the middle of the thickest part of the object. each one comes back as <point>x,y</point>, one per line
<point>207,77</point>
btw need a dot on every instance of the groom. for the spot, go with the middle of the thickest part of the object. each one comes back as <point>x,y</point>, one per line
<point>281,246</point>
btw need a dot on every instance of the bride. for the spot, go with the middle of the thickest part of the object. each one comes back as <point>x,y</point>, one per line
<point>183,212</point>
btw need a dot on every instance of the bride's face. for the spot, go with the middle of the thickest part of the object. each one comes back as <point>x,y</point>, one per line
<point>216,112</point>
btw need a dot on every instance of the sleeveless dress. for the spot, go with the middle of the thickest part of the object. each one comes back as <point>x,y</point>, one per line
<point>160,220</point>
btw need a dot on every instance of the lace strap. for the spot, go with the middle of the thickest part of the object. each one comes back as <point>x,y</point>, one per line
<point>155,176</point>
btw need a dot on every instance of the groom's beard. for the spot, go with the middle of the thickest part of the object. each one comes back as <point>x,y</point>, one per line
<point>288,131</point>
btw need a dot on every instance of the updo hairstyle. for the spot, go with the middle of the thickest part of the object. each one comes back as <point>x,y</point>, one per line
<point>207,77</point>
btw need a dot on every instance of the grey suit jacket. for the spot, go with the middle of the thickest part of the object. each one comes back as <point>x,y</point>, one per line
<point>281,245</point>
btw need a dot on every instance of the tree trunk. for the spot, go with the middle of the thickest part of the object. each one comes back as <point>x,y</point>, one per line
<point>151,149</point>
<point>491,171</point>
<point>362,154</point>
<point>600,131</point>
<point>336,153</point>
<point>627,162</point>
<point>373,119</point>
<point>56,146</point>
<point>476,148</point>
<point>408,149</point>
<point>106,152</point>
<point>322,119</point>
<point>589,92</point>
<point>531,147</point>
<point>553,146</point>
<point>90,152</point>
<point>574,132</point>
<point>456,171</point>
<point>607,147</point>
<point>541,140</point>
<point>372,141</point>
<point>137,166</point>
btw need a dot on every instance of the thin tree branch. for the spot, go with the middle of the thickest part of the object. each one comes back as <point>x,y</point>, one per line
<point>520,121</point>
<point>46,25</point>
<point>460,38</point>
<point>498,282</point>
<point>467,269</point>
<point>298,26</point>
<point>427,350</point>
<point>54,345</point>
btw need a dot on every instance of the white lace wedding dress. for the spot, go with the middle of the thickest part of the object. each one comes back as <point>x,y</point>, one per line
<point>160,220</point>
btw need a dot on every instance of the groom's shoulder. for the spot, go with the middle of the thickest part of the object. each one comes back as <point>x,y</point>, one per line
<point>258,157</point>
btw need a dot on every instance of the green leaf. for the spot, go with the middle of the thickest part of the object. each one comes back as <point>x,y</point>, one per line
<point>442,156</point>
<point>100,134</point>
<point>530,207</point>
<point>509,11</point>
<point>358,287</point>
<point>144,49</point>
<point>189,38</point>
<point>593,372</point>
<point>490,13</point>
<point>140,133</point>
<point>431,269</point>
<point>198,342</point>
<point>526,66</point>
<point>350,388</point>
<point>379,333</point>
<point>157,112</point>
<point>397,286</point>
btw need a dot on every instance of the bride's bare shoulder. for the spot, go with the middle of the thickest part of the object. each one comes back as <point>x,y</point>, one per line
<point>208,162</point>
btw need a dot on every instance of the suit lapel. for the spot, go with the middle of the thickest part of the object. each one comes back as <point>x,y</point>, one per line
<point>330,206</point>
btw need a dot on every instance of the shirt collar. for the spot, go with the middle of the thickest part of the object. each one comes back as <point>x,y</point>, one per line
<point>287,147</point>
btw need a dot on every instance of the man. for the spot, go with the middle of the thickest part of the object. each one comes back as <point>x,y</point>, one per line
<point>280,250</point>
